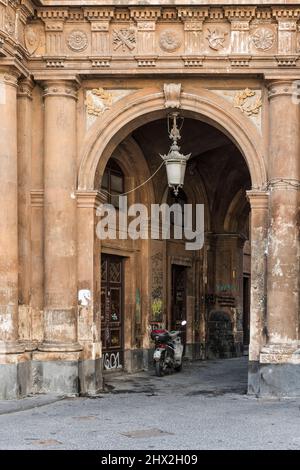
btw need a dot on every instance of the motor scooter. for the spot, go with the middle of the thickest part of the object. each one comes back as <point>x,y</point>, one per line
<point>168,350</point>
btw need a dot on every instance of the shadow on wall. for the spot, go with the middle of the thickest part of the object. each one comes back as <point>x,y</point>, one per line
<point>220,335</point>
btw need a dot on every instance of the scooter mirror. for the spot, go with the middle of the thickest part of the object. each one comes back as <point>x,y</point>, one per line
<point>183,322</point>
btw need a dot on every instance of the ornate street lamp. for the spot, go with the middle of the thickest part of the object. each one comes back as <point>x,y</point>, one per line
<point>174,160</point>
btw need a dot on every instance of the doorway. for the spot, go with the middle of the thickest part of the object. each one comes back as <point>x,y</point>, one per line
<point>112,311</point>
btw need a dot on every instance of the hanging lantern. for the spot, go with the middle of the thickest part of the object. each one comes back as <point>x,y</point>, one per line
<point>174,160</point>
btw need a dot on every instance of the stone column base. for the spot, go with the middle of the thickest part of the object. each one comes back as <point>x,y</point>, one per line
<point>66,373</point>
<point>90,377</point>
<point>55,372</point>
<point>277,373</point>
<point>15,373</point>
<point>90,369</point>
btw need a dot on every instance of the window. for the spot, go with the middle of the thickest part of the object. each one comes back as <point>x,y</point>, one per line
<point>113,182</point>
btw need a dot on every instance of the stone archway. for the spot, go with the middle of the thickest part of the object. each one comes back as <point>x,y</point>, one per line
<point>149,104</point>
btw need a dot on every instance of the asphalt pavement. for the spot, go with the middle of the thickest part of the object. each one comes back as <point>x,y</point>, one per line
<point>205,406</point>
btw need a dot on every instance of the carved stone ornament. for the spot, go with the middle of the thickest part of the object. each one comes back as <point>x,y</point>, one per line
<point>32,39</point>
<point>169,41</point>
<point>77,40</point>
<point>244,101</point>
<point>216,39</point>
<point>9,22</point>
<point>97,101</point>
<point>124,39</point>
<point>263,38</point>
<point>172,93</point>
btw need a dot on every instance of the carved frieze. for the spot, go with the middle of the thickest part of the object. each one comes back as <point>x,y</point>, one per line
<point>193,39</point>
<point>193,25</point>
<point>124,39</point>
<point>216,38</point>
<point>54,26</point>
<point>146,25</point>
<point>169,40</point>
<point>287,29</point>
<point>263,38</point>
<point>77,40</point>
<point>154,36</point>
<point>100,26</point>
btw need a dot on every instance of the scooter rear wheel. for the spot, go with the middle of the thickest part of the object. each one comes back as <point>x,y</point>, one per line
<point>159,369</point>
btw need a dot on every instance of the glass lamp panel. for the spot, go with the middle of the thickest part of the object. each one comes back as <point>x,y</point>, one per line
<point>175,172</point>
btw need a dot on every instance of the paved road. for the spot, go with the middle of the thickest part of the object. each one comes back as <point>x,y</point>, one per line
<point>202,407</point>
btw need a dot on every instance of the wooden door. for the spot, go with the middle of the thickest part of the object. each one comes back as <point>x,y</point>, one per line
<point>112,311</point>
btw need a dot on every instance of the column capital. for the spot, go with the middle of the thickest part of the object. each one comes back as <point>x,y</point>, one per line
<point>60,87</point>
<point>258,199</point>
<point>89,199</point>
<point>9,76</point>
<point>281,88</point>
<point>25,88</point>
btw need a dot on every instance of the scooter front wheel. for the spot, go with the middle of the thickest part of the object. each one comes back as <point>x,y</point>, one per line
<point>159,370</point>
<point>178,368</point>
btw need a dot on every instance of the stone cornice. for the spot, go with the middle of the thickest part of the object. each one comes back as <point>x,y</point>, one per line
<point>153,2</point>
<point>240,13</point>
<point>193,13</point>
<point>98,14</point>
<point>169,12</point>
<point>145,13</point>
<point>286,13</point>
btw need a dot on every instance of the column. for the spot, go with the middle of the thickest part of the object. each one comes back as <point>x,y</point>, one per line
<point>24,116</point>
<point>283,251</point>
<point>258,237</point>
<point>89,279</point>
<point>280,358</point>
<point>9,215</point>
<point>60,225</point>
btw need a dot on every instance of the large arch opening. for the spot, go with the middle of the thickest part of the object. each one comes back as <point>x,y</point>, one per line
<point>161,281</point>
<point>207,287</point>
